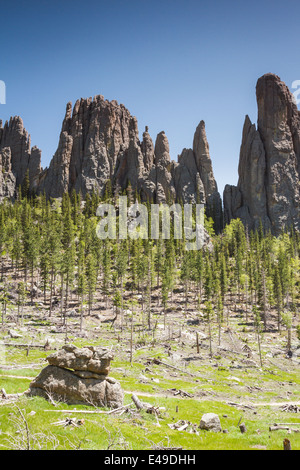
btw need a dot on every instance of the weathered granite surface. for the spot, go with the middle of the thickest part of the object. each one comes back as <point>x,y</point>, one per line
<point>17,157</point>
<point>99,142</point>
<point>268,189</point>
<point>79,376</point>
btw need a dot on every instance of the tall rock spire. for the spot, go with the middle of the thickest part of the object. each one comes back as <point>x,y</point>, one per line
<point>204,166</point>
<point>99,142</point>
<point>17,155</point>
<point>268,189</point>
<point>279,127</point>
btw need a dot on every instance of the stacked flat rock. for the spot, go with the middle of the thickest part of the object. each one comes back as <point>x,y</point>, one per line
<point>79,376</point>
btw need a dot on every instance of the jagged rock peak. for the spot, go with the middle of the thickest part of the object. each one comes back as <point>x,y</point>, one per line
<point>162,149</point>
<point>99,142</point>
<point>93,145</point>
<point>269,162</point>
<point>15,143</point>
<point>204,166</point>
<point>147,150</point>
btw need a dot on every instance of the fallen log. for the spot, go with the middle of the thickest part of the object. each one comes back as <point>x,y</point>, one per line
<point>286,428</point>
<point>183,427</point>
<point>10,398</point>
<point>151,409</point>
<point>137,402</point>
<point>69,422</point>
<point>159,362</point>
<point>186,426</point>
<point>116,410</point>
<point>24,346</point>
<point>277,428</point>
<point>182,393</point>
<point>17,367</point>
<point>292,408</point>
<point>241,405</point>
<point>285,424</point>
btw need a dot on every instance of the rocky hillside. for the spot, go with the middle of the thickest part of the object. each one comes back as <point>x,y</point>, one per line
<point>99,142</point>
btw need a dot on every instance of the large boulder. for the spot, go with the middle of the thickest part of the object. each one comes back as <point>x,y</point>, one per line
<point>67,385</point>
<point>87,382</point>
<point>210,422</point>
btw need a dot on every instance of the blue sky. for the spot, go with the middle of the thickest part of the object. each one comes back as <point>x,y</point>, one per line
<point>171,63</point>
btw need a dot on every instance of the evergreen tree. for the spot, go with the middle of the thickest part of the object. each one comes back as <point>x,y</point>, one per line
<point>25,190</point>
<point>278,294</point>
<point>91,275</point>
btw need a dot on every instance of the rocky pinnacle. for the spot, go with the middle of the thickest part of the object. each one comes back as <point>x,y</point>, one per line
<point>268,190</point>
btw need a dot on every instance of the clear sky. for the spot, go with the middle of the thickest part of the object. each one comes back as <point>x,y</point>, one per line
<point>172,63</point>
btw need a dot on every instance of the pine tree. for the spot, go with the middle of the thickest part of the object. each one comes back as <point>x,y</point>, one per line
<point>45,267</point>
<point>185,274</point>
<point>25,189</point>
<point>149,254</point>
<point>199,272</point>
<point>55,251</point>
<point>67,267</point>
<point>81,279</point>
<point>278,294</point>
<point>257,328</point>
<point>91,275</point>
<point>4,300</point>
<point>209,316</point>
<point>263,296</point>
<point>21,300</point>
<point>106,268</point>
<point>31,243</point>
<point>2,238</point>
<point>287,319</point>
<point>208,286</point>
<point>158,259</point>
<point>238,268</point>
<point>141,268</point>
<point>223,277</point>
<point>121,261</point>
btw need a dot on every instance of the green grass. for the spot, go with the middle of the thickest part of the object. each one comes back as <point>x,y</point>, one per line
<point>141,432</point>
<point>12,385</point>
<point>214,387</point>
<point>14,355</point>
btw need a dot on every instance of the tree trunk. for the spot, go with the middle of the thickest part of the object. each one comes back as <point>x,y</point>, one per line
<point>287,444</point>
<point>51,292</point>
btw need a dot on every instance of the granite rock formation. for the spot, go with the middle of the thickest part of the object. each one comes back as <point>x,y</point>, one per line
<point>99,143</point>
<point>268,189</point>
<point>17,158</point>
<point>79,376</point>
<point>7,178</point>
